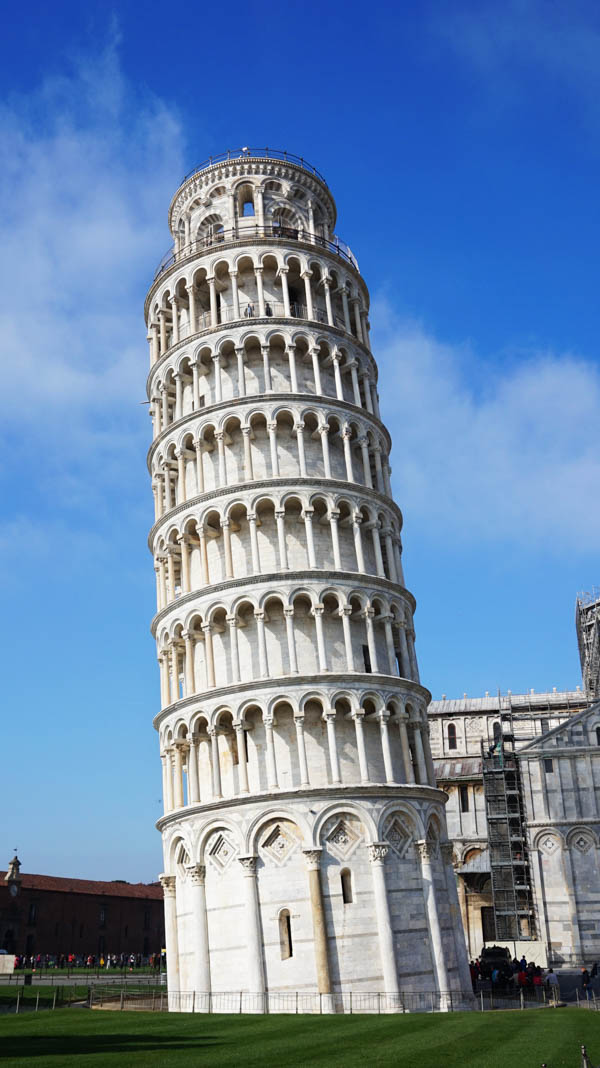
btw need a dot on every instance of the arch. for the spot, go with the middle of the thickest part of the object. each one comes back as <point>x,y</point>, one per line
<point>340,808</point>
<point>260,821</point>
<point>451,736</point>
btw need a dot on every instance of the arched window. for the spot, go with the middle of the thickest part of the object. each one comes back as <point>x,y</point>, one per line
<point>497,732</point>
<point>285,934</point>
<point>451,736</point>
<point>346,879</point>
<point>247,208</point>
<point>597,735</point>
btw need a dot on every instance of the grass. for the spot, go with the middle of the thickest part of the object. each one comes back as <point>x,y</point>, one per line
<point>489,1040</point>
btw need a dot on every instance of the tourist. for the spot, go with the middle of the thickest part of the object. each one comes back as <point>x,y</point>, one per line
<point>249,313</point>
<point>552,981</point>
<point>586,983</point>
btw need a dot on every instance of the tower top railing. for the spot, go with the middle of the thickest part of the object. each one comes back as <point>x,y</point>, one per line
<point>256,153</point>
<point>269,232</point>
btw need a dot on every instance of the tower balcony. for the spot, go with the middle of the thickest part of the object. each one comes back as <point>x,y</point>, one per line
<point>245,234</point>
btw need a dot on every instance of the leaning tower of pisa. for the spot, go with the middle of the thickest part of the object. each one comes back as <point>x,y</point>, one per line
<point>305,848</point>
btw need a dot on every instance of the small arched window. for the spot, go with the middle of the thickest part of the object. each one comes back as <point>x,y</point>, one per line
<point>248,208</point>
<point>597,735</point>
<point>451,736</point>
<point>497,732</point>
<point>285,934</point>
<point>346,879</point>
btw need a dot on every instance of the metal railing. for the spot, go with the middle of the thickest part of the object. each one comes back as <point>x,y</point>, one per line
<point>256,153</point>
<point>240,233</point>
<point>282,1002</point>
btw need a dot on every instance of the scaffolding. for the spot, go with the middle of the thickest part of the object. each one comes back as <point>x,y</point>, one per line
<point>587,621</point>
<point>512,892</point>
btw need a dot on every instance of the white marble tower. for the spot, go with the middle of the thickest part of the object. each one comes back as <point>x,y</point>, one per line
<point>305,844</point>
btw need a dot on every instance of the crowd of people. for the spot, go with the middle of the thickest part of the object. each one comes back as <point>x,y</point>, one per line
<point>121,961</point>
<point>522,974</point>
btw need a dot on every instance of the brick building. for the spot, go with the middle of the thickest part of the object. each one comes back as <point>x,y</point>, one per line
<point>47,914</point>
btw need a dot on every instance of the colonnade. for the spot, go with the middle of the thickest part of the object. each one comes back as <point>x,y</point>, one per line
<point>192,777</point>
<point>358,542</point>
<point>200,381</point>
<point>178,661</point>
<point>183,309</point>
<point>191,470</point>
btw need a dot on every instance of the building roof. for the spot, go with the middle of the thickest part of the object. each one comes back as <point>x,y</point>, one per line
<point>518,702</point>
<point>451,768</point>
<point>116,888</point>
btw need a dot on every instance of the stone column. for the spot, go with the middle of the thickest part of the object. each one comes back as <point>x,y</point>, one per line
<point>242,762</point>
<point>226,528</point>
<point>262,644</point>
<point>314,352</point>
<point>345,613</point>
<point>367,391</point>
<point>301,746</point>
<point>409,773</point>
<point>191,292</point>
<point>168,883</point>
<point>324,432</point>
<point>455,914</point>
<point>335,539</point>
<point>339,388</point>
<point>178,395</point>
<point>175,320</point>
<point>248,472</point>
<point>360,560</point>
<point>195,387</point>
<point>374,528</point>
<point>368,615</point>
<point>383,718</point>
<point>213,301</point>
<point>174,672</point>
<point>291,639</point>
<point>317,612</point>
<point>306,275</point>
<point>241,370</point>
<point>571,902</point>
<point>234,294</point>
<point>169,768</point>
<point>299,428</point>
<point>404,657</point>
<point>280,521</point>
<point>201,981</point>
<point>199,467</point>
<point>326,286</point>
<point>426,855</point>
<point>272,781</point>
<point>254,543</point>
<point>253,929</point>
<point>344,295</point>
<point>310,544</point>
<point>364,448</point>
<point>291,354</point>
<point>220,440</point>
<point>189,673</point>
<point>165,788</point>
<point>272,429</point>
<point>420,753</point>
<point>360,745</point>
<point>266,368</point>
<point>178,777</point>
<point>209,655</point>
<point>313,864</point>
<point>412,656</point>
<point>355,305</point>
<point>185,564</point>
<point>334,763</point>
<point>233,648</point>
<point>389,550</point>
<point>260,291</point>
<point>283,271</point>
<point>389,641</point>
<point>377,854</point>
<point>215,762</point>
<point>193,780</point>
<point>162,323</point>
<point>355,385</point>
<point>203,555</point>
<point>346,435</point>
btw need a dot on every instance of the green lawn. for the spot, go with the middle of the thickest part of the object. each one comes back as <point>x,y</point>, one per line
<point>486,1040</point>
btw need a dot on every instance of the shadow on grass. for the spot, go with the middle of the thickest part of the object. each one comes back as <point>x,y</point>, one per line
<point>69,1045</point>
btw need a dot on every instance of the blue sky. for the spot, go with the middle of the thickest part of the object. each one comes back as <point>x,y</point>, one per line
<point>461,144</point>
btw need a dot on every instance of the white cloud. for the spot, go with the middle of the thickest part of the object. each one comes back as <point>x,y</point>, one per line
<point>501,41</point>
<point>90,164</point>
<point>490,452</point>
